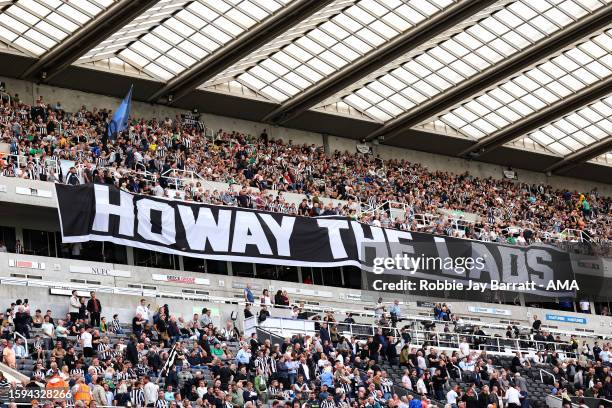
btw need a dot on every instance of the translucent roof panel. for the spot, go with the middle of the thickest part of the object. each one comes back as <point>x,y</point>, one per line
<point>298,30</point>
<point>178,41</point>
<point>535,89</point>
<point>576,130</point>
<point>134,29</point>
<point>500,35</point>
<point>605,159</point>
<point>335,43</point>
<point>36,26</point>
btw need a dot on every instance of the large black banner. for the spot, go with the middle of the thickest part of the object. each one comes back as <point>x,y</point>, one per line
<point>104,213</point>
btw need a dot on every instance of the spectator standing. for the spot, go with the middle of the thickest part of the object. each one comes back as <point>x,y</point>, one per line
<point>266,300</point>
<point>395,312</point>
<point>143,310</point>
<point>248,294</point>
<point>94,307</point>
<point>74,306</point>
<point>87,342</point>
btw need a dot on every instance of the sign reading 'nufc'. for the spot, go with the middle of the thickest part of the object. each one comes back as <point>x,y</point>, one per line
<point>104,213</point>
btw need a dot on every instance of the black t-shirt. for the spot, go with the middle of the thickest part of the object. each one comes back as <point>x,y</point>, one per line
<point>536,324</point>
<point>136,324</point>
<point>373,347</point>
<point>438,381</point>
<point>225,374</point>
<point>433,364</point>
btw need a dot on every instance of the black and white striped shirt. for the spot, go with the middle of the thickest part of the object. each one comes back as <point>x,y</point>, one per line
<point>116,326</point>
<point>42,128</point>
<point>271,365</point>
<point>386,386</point>
<point>77,372</point>
<point>123,376</point>
<point>99,369</point>
<point>260,362</point>
<point>275,392</point>
<point>137,397</point>
<point>328,404</point>
<point>161,403</point>
<point>104,351</point>
<point>161,152</point>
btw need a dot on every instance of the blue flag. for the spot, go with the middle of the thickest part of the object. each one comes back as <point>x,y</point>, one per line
<point>120,118</point>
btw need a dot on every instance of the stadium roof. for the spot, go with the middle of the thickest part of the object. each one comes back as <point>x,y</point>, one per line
<point>524,83</point>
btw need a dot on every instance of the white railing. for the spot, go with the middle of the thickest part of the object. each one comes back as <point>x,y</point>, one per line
<point>573,235</point>
<point>405,320</point>
<point>21,162</point>
<point>422,338</point>
<point>542,372</point>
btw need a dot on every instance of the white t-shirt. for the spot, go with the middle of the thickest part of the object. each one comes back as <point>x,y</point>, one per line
<point>86,338</point>
<point>451,397</point>
<point>513,396</point>
<point>143,311</point>
<point>47,329</point>
<point>585,305</point>
<point>421,363</point>
<point>150,390</point>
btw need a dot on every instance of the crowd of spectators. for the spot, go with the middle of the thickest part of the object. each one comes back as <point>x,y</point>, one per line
<point>204,364</point>
<point>45,134</point>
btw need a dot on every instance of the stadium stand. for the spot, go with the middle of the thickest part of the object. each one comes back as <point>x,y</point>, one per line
<point>411,117</point>
<point>163,360</point>
<point>166,158</point>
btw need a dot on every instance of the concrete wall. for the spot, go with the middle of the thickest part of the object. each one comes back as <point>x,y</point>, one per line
<point>72,100</point>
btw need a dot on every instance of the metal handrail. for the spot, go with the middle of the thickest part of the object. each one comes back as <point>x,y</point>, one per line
<point>421,337</point>
<point>22,161</point>
<point>515,344</point>
<point>546,372</point>
<point>411,319</point>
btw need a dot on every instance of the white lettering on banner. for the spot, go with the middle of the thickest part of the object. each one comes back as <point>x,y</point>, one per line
<point>99,270</point>
<point>482,252</point>
<point>509,274</point>
<point>125,211</point>
<point>248,231</point>
<point>282,232</point>
<point>180,279</point>
<point>205,228</point>
<point>542,273</point>
<point>378,236</point>
<point>222,233</point>
<point>168,231</point>
<point>333,231</point>
<point>395,238</point>
<point>442,249</point>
